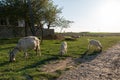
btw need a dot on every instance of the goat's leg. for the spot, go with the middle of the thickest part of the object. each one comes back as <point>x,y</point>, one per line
<point>88,47</point>
<point>65,51</point>
<point>38,51</point>
<point>25,55</point>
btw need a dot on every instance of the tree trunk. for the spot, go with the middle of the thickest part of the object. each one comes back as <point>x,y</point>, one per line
<point>41,35</point>
<point>49,26</point>
<point>31,18</point>
<point>41,28</point>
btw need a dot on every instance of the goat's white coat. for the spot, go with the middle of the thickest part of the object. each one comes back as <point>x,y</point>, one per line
<point>27,43</point>
<point>63,48</point>
<point>95,43</point>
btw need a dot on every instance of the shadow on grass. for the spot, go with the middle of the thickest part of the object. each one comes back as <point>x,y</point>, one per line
<point>43,61</point>
<point>85,57</point>
<point>38,63</point>
<point>4,63</point>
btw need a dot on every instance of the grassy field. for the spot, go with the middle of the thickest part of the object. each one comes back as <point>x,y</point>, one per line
<point>24,69</point>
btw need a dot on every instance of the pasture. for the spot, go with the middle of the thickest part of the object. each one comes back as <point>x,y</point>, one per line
<point>26,69</point>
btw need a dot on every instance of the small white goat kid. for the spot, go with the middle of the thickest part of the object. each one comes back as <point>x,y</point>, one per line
<point>95,43</point>
<point>63,48</point>
<point>25,44</point>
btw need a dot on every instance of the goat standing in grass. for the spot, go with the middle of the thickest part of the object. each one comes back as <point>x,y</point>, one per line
<point>63,48</point>
<point>95,43</point>
<point>25,44</point>
<point>92,43</point>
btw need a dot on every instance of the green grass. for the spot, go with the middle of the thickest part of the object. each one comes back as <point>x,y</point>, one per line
<point>24,69</point>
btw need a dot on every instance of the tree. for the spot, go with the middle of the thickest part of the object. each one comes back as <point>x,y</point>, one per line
<point>39,9</point>
<point>52,12</point>
<point>44,13</point>
<point>15,10</point>
<point>62,23</point>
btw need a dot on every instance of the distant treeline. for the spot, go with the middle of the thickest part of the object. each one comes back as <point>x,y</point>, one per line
<point>90,34</point>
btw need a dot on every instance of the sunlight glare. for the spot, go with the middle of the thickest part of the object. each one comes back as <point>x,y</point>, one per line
<point>109,13</point>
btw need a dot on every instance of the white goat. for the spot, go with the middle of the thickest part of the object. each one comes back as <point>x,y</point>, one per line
<point>95,43</point>
<point>63,48</point>
<point>25,44</point>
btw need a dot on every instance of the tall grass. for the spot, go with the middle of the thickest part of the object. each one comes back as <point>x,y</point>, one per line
<point>24,69</point>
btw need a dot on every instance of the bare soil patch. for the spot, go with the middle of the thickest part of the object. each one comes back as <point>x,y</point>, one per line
<point>58,65</point>
<point>103,66</point>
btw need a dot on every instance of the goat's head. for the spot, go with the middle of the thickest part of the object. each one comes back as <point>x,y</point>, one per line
<point>11,56</point>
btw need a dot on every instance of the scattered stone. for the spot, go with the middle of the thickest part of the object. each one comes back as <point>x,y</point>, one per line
<point>105,66</point>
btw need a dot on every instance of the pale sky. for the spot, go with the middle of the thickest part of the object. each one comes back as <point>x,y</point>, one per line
<point>91,15</point>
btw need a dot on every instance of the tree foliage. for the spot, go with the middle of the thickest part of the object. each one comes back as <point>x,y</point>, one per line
<point>44,12</point>
<point>62,23</point>
<point>13,8</point>
<point>52,12</point>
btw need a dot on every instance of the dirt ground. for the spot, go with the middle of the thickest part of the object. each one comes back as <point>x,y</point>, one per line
<point>103,66</point>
